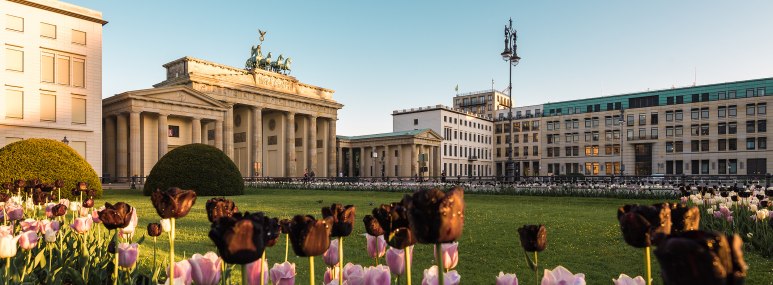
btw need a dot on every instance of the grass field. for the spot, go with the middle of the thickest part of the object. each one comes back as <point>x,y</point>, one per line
<point>583,234</point>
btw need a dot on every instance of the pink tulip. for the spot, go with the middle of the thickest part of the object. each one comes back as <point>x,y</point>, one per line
<point>6,231</point>
<point>506,279</point>
<point>330,257</point>
<point>127,254</point>
<point>65,202</point>
<point>354,274</point>
<point>28,240</point>
<point>129,229</point>
<point>560,276</point>
<point>450,254</point>
<point>182,271</point>
<point>283,274</point>
<point>30,225</point>
<point>15,212</point>
<point>395,259</point>
<point>82,211</point>
<point>377,275</point>
<point>376,246</point>
<point>627,280</point>
<point>253,272</point>
<point>205,269</point>
<point>49,214</point>
<point>8,245</point>
<point>82,225</point>
<point>431,277</point>
<point>331,273</point>
<point>95,216</point>
<point>49,224</point>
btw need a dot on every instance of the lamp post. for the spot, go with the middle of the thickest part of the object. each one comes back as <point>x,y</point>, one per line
<point>65,140</point>
<point>510,55</point>
<point>622,121</point>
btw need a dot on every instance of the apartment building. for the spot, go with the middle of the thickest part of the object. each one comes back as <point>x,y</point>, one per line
<point>52,75</point>
<point>526,139</point>
<point>485,103</point>
<point>466,145</point>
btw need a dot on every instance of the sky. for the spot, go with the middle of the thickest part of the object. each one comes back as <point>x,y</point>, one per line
<point>381,56</point>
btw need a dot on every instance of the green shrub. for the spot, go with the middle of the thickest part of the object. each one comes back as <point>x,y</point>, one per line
<point>198,167</point>
<point>47,160</point>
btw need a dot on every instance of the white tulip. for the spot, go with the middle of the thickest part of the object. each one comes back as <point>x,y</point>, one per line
<point>166,225</point>
<point>50,235</point>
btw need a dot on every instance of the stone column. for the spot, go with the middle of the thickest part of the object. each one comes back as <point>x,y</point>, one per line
<point>122,148</point>
<point>196,130</point>
<point>339,161</point>
<point>311,146</point>
<point>163,135</point>
<point>387,161</point>
<point>290,170</point>
<point>110,140</point>
<point>363,155</point>
<point>257,139</point>
<point>436,161</point>
<point>331,154</point>
<point>134,144</point>
<point>228,136</point>
<point>219,135</point>
<point>414,160</point>
<point>350,167</point>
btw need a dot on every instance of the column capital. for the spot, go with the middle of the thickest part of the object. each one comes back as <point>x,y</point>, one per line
<point>256,108</point>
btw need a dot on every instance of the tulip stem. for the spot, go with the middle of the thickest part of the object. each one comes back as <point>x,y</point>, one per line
<point>287,245</point>
<point>536,267</point>
<point>262,268</point>
<point>171,251</point>
<point>7,270</point>
<point>311,270</point>
<point>341,260</point>
<point>154,260</point>
<point>649,268</point>
<point>406,254</point>
<point>245,277</point>
<point>439,250</point>
<point>115,260</point>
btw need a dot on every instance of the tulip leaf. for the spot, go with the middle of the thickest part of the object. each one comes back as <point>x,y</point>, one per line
<point>141,240</point>
<point>40,259</point>
<point>529,262</point>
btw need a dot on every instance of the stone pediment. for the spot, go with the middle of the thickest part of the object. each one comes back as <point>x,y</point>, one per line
<point>178,94</point>
<point>430,134</point>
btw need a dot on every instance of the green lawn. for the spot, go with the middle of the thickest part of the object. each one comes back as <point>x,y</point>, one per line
<point>583,234</point>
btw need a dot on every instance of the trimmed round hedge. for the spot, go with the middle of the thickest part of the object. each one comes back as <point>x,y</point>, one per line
<point>47,160</point>
<point>202,168</point>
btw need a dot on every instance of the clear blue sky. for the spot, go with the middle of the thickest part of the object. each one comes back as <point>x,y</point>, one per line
<point>381,56</point>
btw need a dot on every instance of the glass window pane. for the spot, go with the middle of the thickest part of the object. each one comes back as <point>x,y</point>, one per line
<point>78,110</point>
<point>78,70</point>
<point>47,67</point>
<point>47,30</point>
<point>63,70</point>
<point>14,104</point>
<point>14,23</point>
<point>48,107</point>
<point>78,37</point>
<point>14,59</point>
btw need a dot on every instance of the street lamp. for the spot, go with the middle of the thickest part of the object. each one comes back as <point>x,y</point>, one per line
<point>622,121</point>
<point>510,55</point>
<point>65,140</point>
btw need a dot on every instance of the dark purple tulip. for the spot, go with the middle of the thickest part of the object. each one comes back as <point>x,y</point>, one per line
<point>154,229</point>
<point>81,186</point>
<point>173,202</point>
<point>309,236</point>
<point>4,197</point>
<point>88,203</point>
<point>684,218</point>
<point>284,226</point>
<point>241,238</point>
<point>58,184</point>
<point>436,216</point>
<point>769,192</point>
<point>533,237</point>
<point>220,207</point>
<point>393,219</point>
<point>7,186</point>
<point>745,194</point>
<point>372,227</point>
<point>48,188</point>
<point>643,225</point>
<point>116,216</point>
<point>59,210</point>
<point>343,219</point>
<point>39,197</point>
<point>699,257</point>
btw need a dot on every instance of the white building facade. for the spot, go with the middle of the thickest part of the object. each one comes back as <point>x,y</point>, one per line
<point>526,139</point>
<point>467,147</point>
<point>51,67</point>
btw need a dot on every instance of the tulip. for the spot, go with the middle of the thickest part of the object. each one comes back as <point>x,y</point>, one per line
<point>6,230</point>
<point>282,274</point>
<point>354,274</point>
<point>684,218</point>
<point>393,219</point>
<point>30,225</point>
<point>8,245</point>
<point>331,273</point>
<point>81,186</point>
<point>450,278</point>
<point>182,272</point>
<point>627,280</point>
<point>642,225</point>
<point>220,207</point>
<point>82,224</point>
<point>506,279</point>
<point>450,255</point>
<point>154,229</point>
<point>173,203</point>
<point>28,240</point>
<point>39,197</point>
<point>166,225</point>
<point>50,236</point>
<point>372,227</point>
<point>309,236</point>
<point>129,229</point>
<point>534,238</point>
<point>127,254</point>
<point>700,257</point>
<point>49,225</point>
<point>762,214</point>
<point>88,203</point>
<point>395,259</point>
<point>48,210</point>
<point>15,212</point>
<point>115,216</point>
<point>205,269</point>
<point>376,246</point>
<point>253,271</point>
<point>436,217</point>
<point>342,219</point>
<point>330,257</point>
<point>65,202</point>
<point>377,275</point>
<point>59,210</point>
<point>240,239</point>
<point>561,276</point>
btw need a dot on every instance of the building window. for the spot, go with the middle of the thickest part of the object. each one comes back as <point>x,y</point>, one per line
<point>670,100</point>
<point>731,111</point>
<point>762,143</point>
<point>732,128</point>
<point>14,104</point>
<point>63,70</point>
<point>47,30</point>
<point>629,120</point>
<point>750,142</point>
<point>14,23</point>
<point>694,114</point>
<point>680,99</point>
<point>750,126</point>
<point>78,37</point>
<point>732,144</point>
<point>415,122</point>
<point>642,119</point>
<point>47,67</point>
<point>750,108</point>
<point>761,91</point>
<point>678,131</point>
<point>721,112</point>
<point>654,133</point>
<point>78,110</point>
<point>704,113</point>
<point>47,108</point>
<point>14,59</point>
<point>705,145</point>
<point>722,128</point>
<point>679,115</point>
<point>78,73</point>
<point>749,92</point>
<point>173,131</point>
<point>731,94</point>
<point>669,147</point>
<point>762,126</point>
<point>762,109</point>
<point>721,145</point>
<point>722,95</point>
<point>654,118</point>
<point>678,146</point>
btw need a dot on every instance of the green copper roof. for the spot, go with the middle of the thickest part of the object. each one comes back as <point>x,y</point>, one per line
<point>383,135</point>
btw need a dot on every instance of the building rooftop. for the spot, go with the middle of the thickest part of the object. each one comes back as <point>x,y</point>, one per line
<point>439,107</point>
<point>384,135</point>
